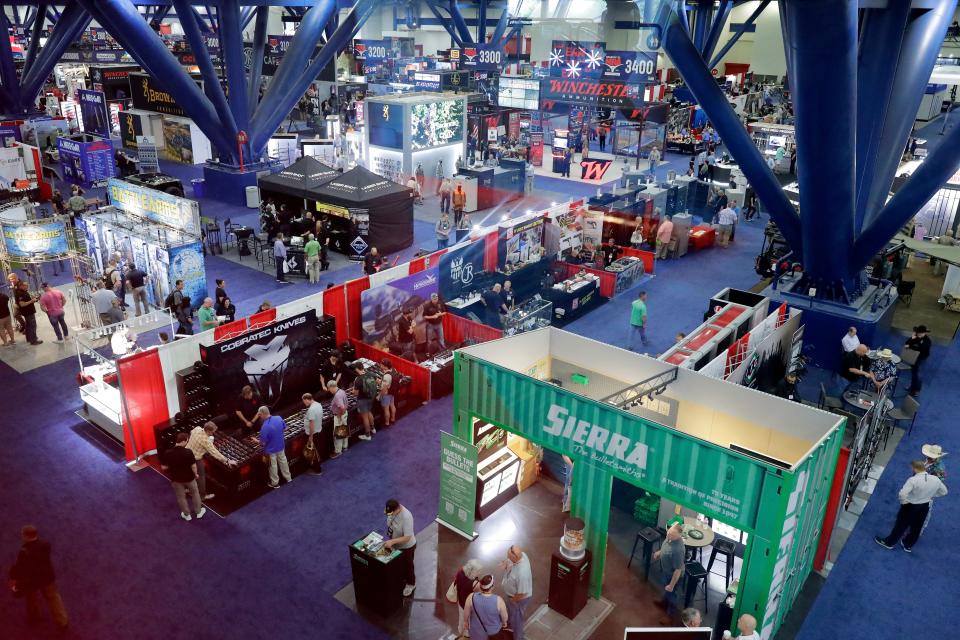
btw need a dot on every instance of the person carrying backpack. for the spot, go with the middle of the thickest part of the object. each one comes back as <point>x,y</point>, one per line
<point>367,390</point>
<point>389,385</point>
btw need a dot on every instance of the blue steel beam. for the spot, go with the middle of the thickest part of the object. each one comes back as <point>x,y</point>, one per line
<point>204,25</point>
<point>161,14</point>
<point>716,28</point>
<point>212,88</point>
<point>68,29</point>
<point>783,30</point>
<point>481,20</point>
<point>677,44</point>
<point>52,14</point>
<point>447,24</point>
<point>682,15</point>
<point>935,170</point>
<point>459,22</point>
<point>823,35</point>
<point>736,36</point>
<point>34,45</point>
<point>232,52</point>
<point>121,19</point>
<point>879,49</point>
<point>284,84</point>
<point>246,15</point>
<point>921,46</point>
<point>31,17</point>
<point>256,68</point>
<point>348,29</point>
<point>701,23</point>
<point>501,28</point>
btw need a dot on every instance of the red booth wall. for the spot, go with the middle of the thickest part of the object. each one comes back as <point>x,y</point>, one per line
<point>608,279</point>
<point>144,400</point>
<point>420,375</point>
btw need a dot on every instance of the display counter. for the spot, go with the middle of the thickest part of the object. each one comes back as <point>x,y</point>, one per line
<point>378,575</point>
<point>573,297</point>
<point>691,148</point>
<point>496,185</point>
<point>102,406</point>
<point>702,237</point>
<point>535,313</point>
<point>629,270</point>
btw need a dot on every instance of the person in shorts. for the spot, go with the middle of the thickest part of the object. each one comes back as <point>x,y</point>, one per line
<point>338,407</point>
<point>366,390</point>
<point>387,390</point>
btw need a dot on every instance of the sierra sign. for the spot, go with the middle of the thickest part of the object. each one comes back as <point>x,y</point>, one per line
<point>597,443</point>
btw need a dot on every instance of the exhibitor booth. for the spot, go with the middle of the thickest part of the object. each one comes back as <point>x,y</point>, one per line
<point>722,460</point>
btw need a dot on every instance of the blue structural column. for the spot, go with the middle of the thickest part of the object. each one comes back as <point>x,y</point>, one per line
<point>881,33</point>
<point>701,23</point>
<point>687,58</point>
<point>460,23</point>
<point>719,21</point>
<point>823,35</point>
<point>501,28</point>
<point>446,23</point>
<point>123,21</point>
<point>232,52</point>
<point>936,169</point>
<point>256,66</point>
<point>921,46</point>
<point>736,36</point>
<point>285,88</point>
<point>68,29</point>
<point>8,71</point>
<point>212,88</point>
<point>481,20</point>
<point>34,45</point>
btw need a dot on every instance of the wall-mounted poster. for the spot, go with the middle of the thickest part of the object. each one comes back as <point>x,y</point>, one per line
<point>35,240</point>
<point>186,263</point>
<point>382,306</point>
<point>177,141</point>
<point>131,127</point>
<point>520,244</point>
<point>148,96</point>
<point>459,268</point>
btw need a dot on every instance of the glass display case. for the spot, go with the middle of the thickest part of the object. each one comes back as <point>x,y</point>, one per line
<point>103,407</point>
<point>535,313</point>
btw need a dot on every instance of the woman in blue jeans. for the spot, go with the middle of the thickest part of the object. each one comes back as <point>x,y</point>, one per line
<point>484,612</point>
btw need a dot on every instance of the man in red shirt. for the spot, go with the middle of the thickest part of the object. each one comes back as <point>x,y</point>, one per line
<point>52,302</point>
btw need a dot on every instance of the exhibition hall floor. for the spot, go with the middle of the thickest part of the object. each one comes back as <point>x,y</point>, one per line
<point>128,566</point>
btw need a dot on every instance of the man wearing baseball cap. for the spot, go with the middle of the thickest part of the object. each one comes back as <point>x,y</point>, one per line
<point>400,534</point>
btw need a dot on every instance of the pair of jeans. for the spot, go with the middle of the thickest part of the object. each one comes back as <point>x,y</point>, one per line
<point>445,203</point>
<point>278,459</point>
<point>201,478</point>
<point>59,325</point>
<point>637,332</point>
<point>181,489</point>
<point>409,569</point>
<point>51,594</point>
<point>442,243</point>
<point>280,261</point>
<point>516,613</point>
<point>915,383</point>
<point>30,327</point>
<point>140,296</point>
<point>435,332</point>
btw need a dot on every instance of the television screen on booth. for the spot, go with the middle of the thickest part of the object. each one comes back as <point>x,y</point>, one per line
<point>436,124</point>
<point>659,633</point>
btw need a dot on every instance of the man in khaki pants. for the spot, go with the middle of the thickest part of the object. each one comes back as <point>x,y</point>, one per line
<point>33,577</point>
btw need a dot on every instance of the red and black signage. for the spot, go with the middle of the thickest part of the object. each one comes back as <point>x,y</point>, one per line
<point>597,93</point>
<point>594,170</point>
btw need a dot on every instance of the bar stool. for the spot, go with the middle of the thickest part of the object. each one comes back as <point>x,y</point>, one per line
<point>727,549</point>
<point>696,579</point>
<point>663,535</point>
<point>648,536</point>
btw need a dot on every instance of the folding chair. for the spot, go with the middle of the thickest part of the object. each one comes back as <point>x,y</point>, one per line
<point>906,411</point>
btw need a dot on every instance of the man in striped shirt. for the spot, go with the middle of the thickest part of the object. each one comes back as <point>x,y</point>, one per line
<point>201,443</point>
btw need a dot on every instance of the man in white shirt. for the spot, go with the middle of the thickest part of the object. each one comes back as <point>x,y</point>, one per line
<point>312,426</point>
<point>517,585</point>
<point>915,497</point>
<point>850,341</point>
<point>726,219</point>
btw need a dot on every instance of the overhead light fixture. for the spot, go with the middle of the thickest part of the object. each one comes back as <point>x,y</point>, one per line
<point>505,217</point>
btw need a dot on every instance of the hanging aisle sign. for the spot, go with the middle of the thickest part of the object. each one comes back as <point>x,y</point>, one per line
<point>482,56</point>
<point>458,484</point>
<point>578,60</point>
<point>161,207</point>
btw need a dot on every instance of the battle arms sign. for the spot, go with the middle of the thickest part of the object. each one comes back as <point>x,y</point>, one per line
<point>597,93</point>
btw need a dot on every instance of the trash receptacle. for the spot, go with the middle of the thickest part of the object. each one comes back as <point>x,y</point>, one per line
<point>253,197</point>
<point>197,184</point>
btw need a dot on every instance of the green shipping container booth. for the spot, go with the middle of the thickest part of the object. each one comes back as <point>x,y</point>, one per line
<point>748,459</point>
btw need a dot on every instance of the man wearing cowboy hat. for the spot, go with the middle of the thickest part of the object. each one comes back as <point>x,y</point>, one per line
<point>934,454</point>
<point>883,369</point>
<point>919,342</point>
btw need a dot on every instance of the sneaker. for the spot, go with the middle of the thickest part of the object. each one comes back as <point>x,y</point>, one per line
<point>314,473</point>
<point>905,547</point>
<point>372,431</point>
<point>59,341</point>
<point>364,437</point>
<point>209,496</point>
<point>883,543</point>
<point>37,342</point>
<point>274,486</point>
<point>200,513</point>
<point>186,516</point>
<point>408,590</point>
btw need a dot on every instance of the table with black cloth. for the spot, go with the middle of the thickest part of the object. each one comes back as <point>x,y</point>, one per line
<point>378,580</point>
<point>569,304</point>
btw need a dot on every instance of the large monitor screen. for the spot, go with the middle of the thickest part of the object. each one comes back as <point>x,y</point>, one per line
<point>519,93</point>
<point>385,122</point>
<point>436,124</point>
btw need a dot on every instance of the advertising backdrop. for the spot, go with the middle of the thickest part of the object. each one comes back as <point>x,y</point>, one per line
<point>435,124</point>
<point>380,308</point>
<point>521,243</point>
<point>35,240</point>
<point>186,263</point>
<point>161,207</point>
<point>458,483</point>
<point>386,125</point>
<point>459,267</point>
<point>148,96</point>
<point>278,360</point>
<point>86,162</point>
<point>94,113</point>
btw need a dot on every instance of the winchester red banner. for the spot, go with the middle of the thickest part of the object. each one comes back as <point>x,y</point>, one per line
<point>600,93</point>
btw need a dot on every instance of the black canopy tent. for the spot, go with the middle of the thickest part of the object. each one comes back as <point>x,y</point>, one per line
<point>295,183</point>
<point>361,204</point>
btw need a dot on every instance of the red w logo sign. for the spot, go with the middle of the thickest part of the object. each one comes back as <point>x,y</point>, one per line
<point>594,169</point>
